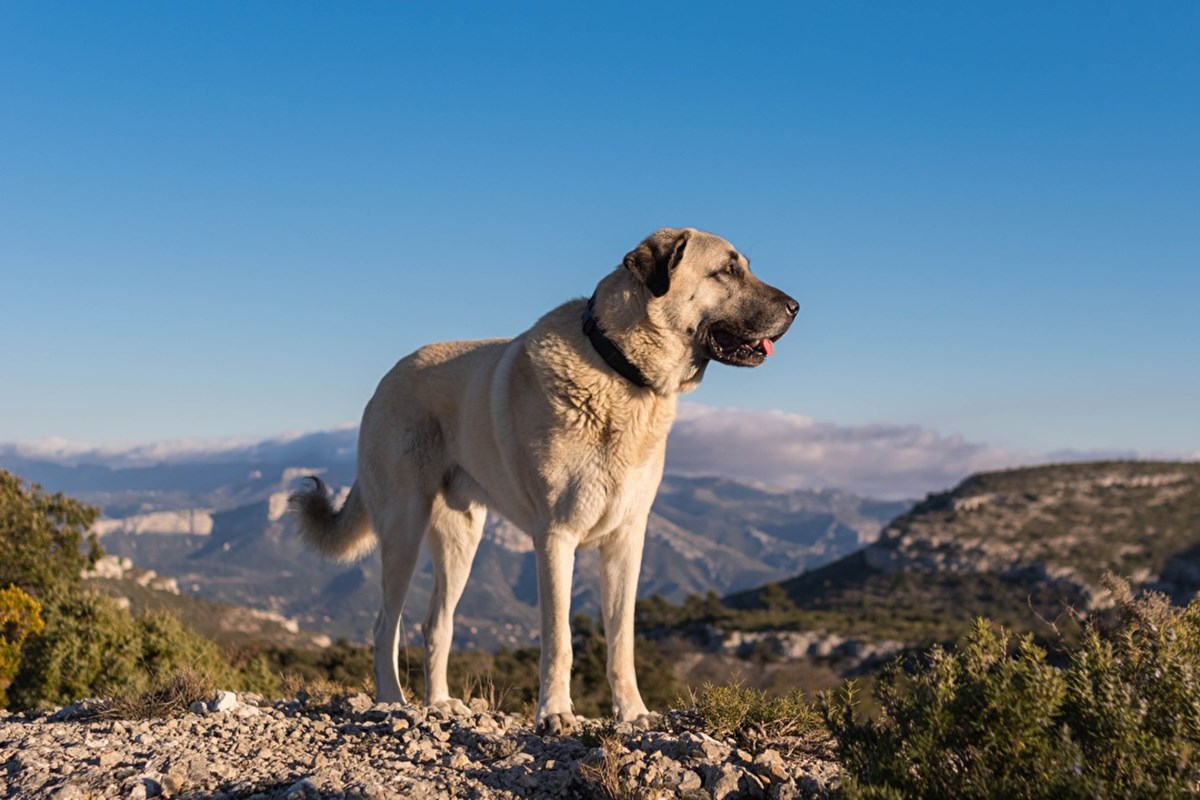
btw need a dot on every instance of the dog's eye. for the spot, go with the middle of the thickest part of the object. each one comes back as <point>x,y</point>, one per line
<point>733,269</point>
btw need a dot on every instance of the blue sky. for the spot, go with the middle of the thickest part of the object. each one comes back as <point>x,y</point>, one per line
<point>231,219</point>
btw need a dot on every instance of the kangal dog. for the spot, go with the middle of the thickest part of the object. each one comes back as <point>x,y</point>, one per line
<point>562,430</point>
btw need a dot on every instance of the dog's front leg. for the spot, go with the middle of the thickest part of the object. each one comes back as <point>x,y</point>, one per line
<point>620,563</point>
<point>555,562</point>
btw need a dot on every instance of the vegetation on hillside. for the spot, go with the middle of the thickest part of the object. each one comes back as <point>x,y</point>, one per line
<point>852,600</point>
<point>61,643</point>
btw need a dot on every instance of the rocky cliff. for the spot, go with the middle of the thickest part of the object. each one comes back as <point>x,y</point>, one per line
<point>1025,547</point>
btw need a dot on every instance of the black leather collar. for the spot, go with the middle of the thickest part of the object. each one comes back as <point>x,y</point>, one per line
<point>608,349</point>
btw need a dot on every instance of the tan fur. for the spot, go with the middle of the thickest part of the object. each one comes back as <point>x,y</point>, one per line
<point>545,432</point>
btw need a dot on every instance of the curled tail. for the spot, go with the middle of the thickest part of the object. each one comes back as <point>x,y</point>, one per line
<point>342,535</point>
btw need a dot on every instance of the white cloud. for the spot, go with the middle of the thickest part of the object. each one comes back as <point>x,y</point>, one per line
<point>66,451</point>
<point>773,448</point>
<point>336,444</point>
<point>791,450</point>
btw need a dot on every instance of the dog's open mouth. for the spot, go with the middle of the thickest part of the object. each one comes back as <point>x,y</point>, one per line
<point>729,348</point>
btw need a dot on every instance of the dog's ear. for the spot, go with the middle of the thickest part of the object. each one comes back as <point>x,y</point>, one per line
<point>655,259</point>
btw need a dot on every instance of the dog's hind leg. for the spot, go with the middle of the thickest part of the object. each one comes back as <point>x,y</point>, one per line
<point>455,530</point>
<point>399,546</point>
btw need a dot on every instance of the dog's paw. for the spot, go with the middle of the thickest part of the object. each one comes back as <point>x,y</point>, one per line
<point>650,721</point>
<point>451,707</point>
<point>557,724</point>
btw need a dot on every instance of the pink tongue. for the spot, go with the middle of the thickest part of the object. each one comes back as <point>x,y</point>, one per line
<point>768,347</point>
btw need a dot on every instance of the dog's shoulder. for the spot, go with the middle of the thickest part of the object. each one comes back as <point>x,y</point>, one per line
<point>439,353</point>
<point>554,348</point>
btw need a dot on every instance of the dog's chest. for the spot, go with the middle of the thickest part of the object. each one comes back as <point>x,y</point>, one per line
<point>606,506</point>
<point>623,436</point>
<point>615,482</point>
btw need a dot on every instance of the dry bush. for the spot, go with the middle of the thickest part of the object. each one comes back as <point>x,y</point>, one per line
<point>481,685</point>
<point>604,778</point>
<point>167,697</point>
<point>755,719</point>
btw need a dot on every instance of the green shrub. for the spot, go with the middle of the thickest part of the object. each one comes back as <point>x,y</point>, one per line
<point>169,647</point>
<point>755,719</point>
<point>20,618</point>
<point>1133,697</point>
<point>40,537</point>
<point>92,647</point>
<point>994,719</point>
<point>775,598</point>
<point>976,722</point>
<point>254,672</point>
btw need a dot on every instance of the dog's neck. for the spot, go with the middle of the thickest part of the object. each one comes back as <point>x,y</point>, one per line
<point>644,354</point>
<point>609,350</point>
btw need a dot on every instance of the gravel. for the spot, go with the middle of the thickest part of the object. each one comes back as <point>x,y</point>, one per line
<point>240,746</point>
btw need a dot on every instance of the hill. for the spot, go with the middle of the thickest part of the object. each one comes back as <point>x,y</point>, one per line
<point>1025,547</point>
<point>233,627</point>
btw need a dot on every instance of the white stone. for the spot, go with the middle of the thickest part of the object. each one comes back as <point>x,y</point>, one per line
<point>224,701</point>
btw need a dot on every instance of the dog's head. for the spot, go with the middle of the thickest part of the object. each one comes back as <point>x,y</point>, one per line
<point>701,289</point>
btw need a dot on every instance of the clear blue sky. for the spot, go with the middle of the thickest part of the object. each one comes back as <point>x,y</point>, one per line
<point>232,218</point>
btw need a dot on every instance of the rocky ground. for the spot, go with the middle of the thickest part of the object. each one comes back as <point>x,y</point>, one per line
<point>240,746</point>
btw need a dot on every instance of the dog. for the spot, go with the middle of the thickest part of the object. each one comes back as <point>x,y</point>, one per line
<point>563,431</point>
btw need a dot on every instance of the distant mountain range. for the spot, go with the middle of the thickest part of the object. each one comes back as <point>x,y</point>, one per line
<point>214,519</point>
<point>1024,547</point>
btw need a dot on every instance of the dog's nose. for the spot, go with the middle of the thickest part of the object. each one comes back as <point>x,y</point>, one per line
<point>792,306</point>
